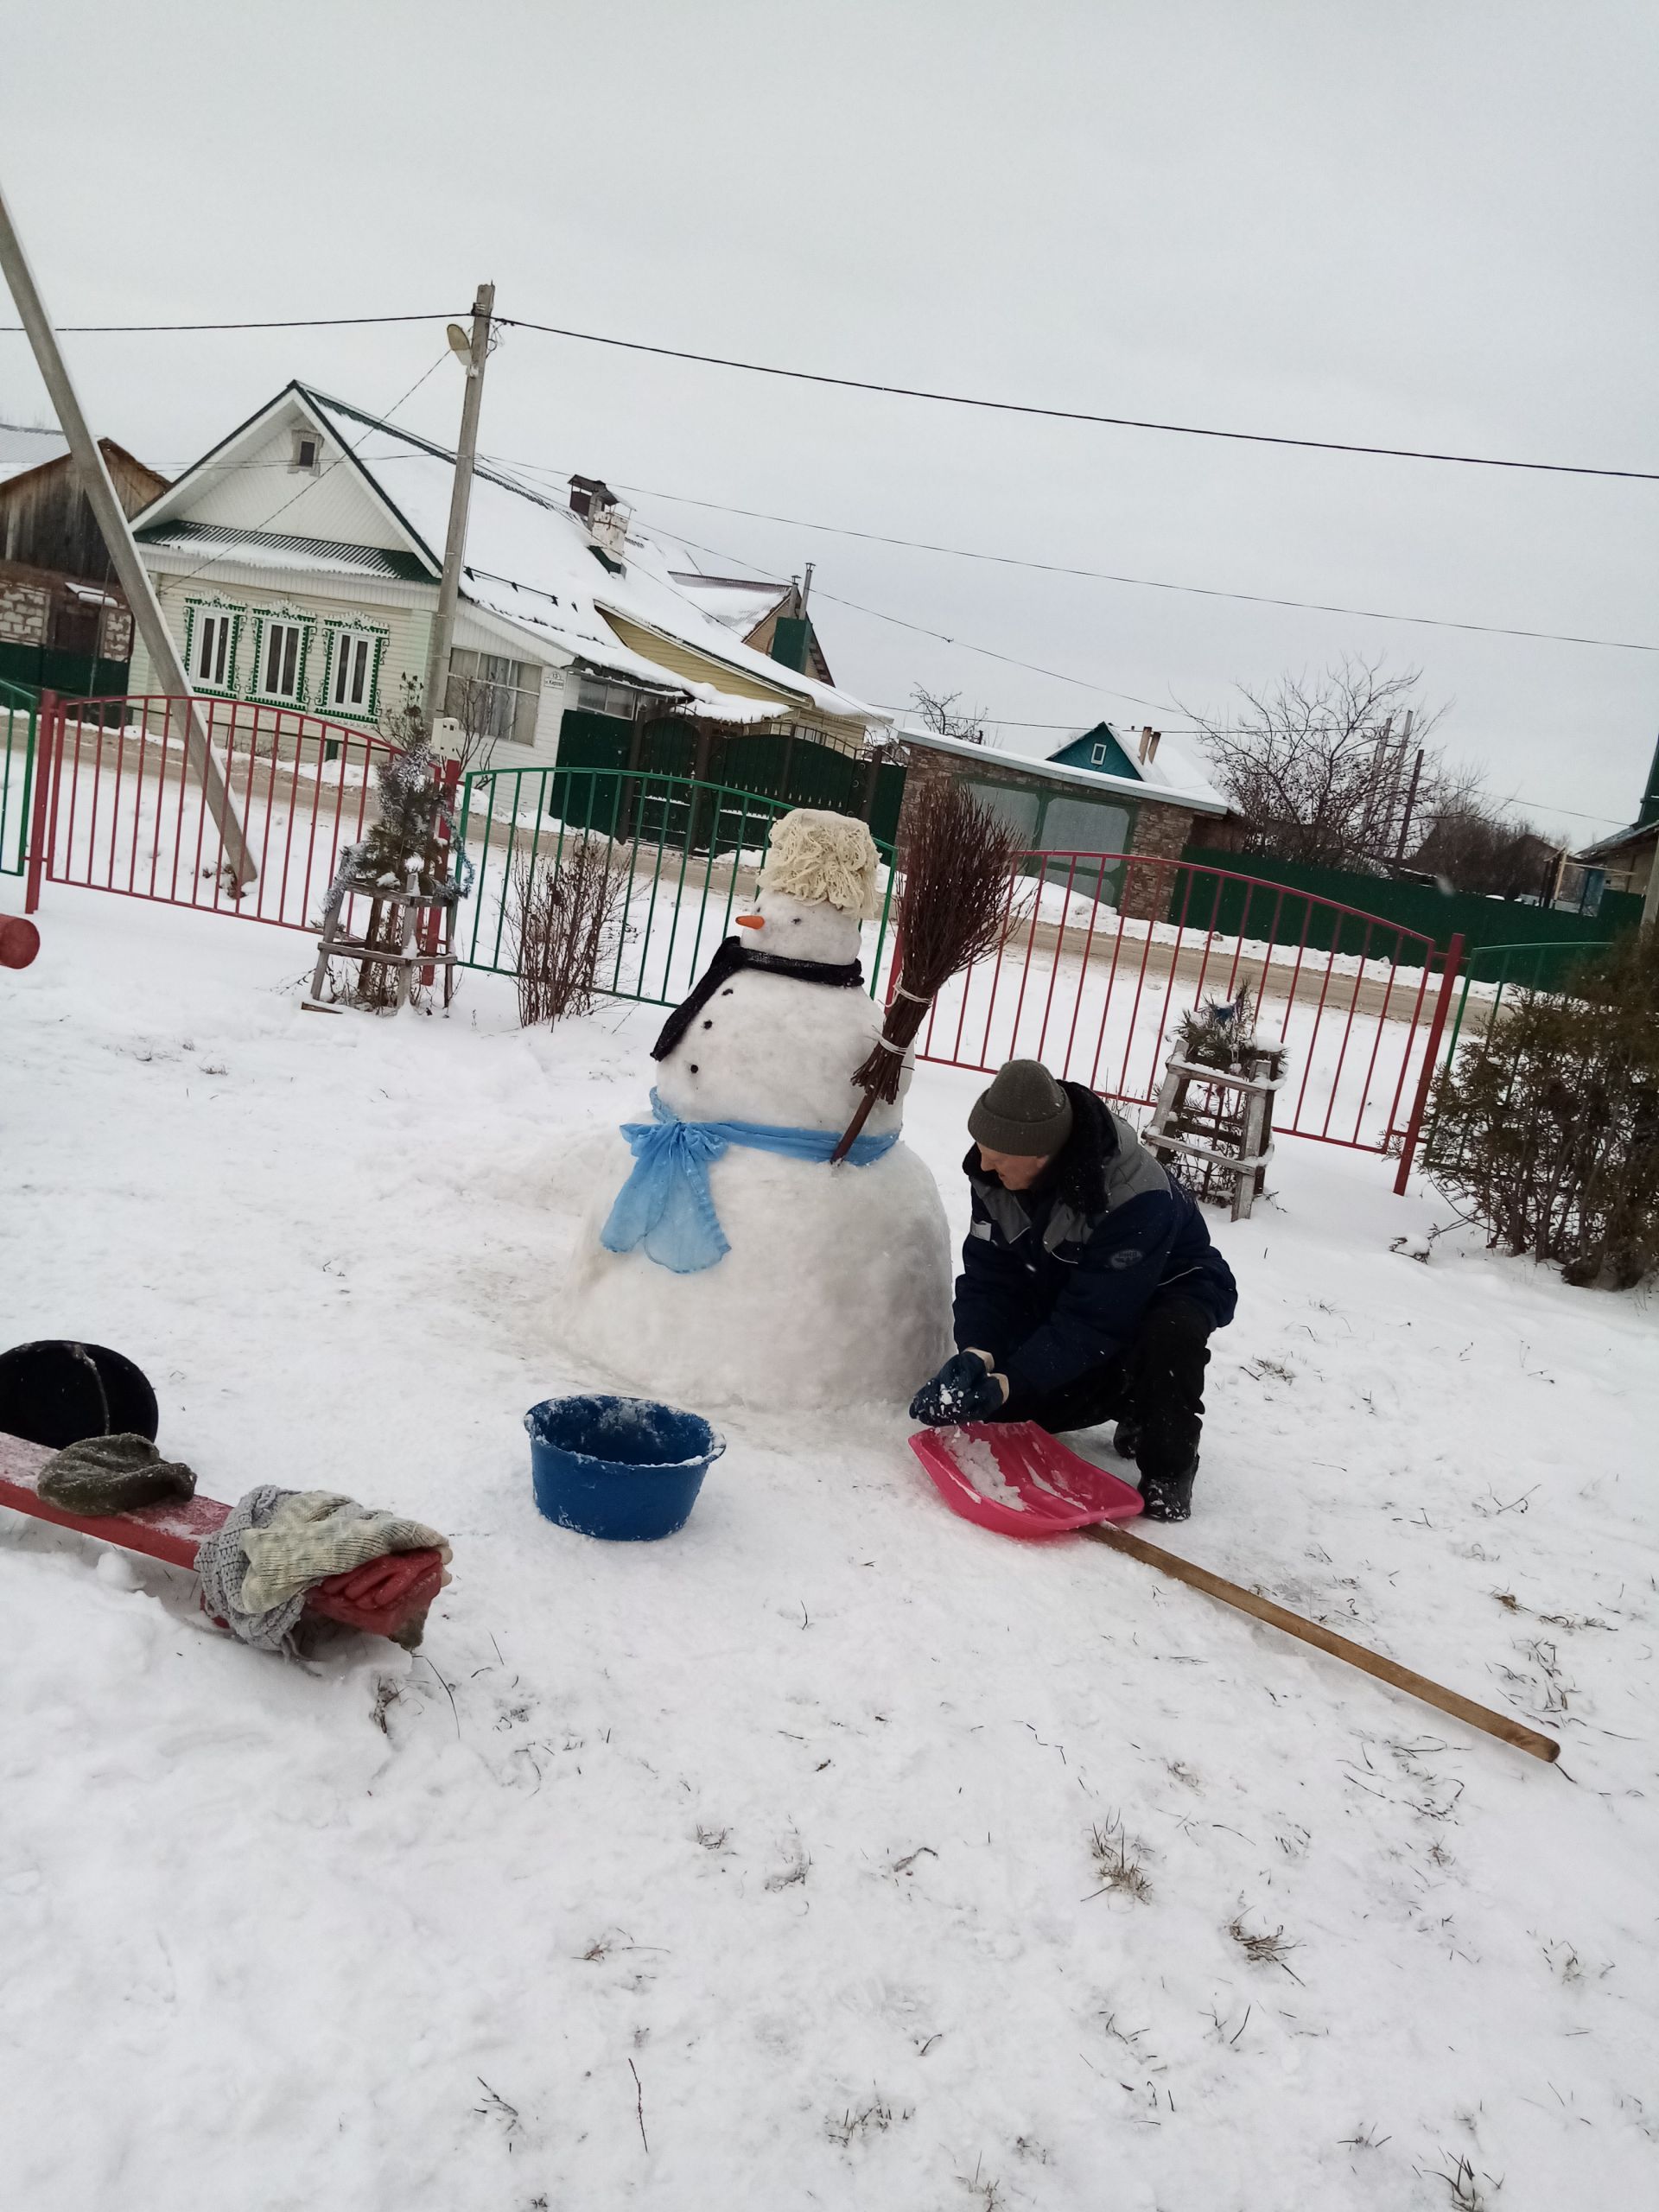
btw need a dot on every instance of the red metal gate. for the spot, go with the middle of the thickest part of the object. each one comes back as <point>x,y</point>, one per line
<point>116,808</point>
<point>1101,955</point>
<point>1104,953</point>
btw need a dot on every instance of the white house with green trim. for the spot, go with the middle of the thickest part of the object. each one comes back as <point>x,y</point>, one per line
<point>298,564</point>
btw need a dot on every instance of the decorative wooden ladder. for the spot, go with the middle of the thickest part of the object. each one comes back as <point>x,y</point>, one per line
<point>406,956</point>
<point>1213,1130</point>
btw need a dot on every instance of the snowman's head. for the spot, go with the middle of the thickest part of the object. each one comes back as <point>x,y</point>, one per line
<point>799,929</point>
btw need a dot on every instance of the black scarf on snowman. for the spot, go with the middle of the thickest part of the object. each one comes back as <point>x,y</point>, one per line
<point>734,956</point>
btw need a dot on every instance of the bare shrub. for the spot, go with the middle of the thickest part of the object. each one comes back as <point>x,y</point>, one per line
<point>565,916</point>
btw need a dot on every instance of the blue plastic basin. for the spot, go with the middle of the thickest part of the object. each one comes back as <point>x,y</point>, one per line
<point>625,1469</point>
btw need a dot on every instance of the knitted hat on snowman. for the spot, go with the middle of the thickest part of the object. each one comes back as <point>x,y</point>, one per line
<point>823,857</point>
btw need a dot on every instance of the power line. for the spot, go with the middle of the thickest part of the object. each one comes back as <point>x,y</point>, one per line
<point>988,652</point>
<point>1015,722</point>
<point>282,322</point>
<point>722,553</point>
<point>1017,561</point>
<point>1073,413</point>
<point>1145,583</point>
<point>887,390</point>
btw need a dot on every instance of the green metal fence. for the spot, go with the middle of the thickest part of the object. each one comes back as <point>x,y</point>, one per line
<point>679,855</point>
<point>796,766</point>
<point>1510,969</point>
<point>1307,892</point>
<point>19,716</point>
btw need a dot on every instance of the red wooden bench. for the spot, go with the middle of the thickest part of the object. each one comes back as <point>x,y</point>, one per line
<point>385,1597</point>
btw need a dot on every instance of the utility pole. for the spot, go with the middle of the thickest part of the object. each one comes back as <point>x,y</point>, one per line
<point>475,353</point>
<point>1411,803</point>
<point>110,517</point>
<point>1374,787</point>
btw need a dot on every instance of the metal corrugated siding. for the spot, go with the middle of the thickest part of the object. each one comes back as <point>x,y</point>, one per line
<point>684,661</point>
<point>248,546</point>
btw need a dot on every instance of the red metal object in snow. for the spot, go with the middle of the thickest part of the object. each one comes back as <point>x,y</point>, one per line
<point>1015,1478</point>
<point>385,1597</point>
<point>19,941</point>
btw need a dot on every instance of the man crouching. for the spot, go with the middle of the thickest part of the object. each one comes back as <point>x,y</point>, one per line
<point>1089,1285</point>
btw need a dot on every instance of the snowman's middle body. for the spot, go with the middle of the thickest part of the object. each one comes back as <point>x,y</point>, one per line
<point>836,1286</point>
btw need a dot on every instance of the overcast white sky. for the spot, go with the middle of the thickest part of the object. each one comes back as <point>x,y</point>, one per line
<point>1414,223</point>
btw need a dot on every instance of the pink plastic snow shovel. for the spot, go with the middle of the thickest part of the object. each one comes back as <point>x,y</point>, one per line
<point>1015,1478</point>
<point>1012,1476</point>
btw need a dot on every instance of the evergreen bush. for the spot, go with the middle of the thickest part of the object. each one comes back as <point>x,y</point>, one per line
<point>412,807</point>
<point>1545,1130</point>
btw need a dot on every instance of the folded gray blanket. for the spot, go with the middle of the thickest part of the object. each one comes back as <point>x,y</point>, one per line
<point>112,1474</point>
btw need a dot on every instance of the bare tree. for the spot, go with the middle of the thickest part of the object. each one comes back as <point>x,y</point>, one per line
<point>940,714</point>
<point>476,704</point>
<point>1325,769</point>
<point>1471,846</point>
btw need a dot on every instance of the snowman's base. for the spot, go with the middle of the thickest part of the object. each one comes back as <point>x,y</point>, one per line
<point>835,1292</point>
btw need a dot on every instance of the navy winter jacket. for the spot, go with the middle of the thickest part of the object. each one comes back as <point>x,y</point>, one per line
<point>1056,1279</point>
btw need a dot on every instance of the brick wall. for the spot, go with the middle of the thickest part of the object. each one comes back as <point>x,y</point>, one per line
<point>926,768</point>
<point>1161,831</point>
<point>1161,826</point>
<point>25,610</point>
<point>28,597</point>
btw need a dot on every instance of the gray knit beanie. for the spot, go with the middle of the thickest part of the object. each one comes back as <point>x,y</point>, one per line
<point>1024,1111</point>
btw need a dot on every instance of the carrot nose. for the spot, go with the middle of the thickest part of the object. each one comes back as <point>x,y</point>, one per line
<point>750,921</point>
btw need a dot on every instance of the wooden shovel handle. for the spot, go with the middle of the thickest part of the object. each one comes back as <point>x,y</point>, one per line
<point>1370,1663</point>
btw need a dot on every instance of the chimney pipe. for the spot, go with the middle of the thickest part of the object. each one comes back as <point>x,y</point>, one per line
<point>806,586</point>
<point>1149,741</point>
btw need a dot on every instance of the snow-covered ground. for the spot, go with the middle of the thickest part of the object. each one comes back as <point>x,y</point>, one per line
<point>764,1867</point>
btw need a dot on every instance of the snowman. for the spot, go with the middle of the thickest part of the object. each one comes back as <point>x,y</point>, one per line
<point>723,1259</point>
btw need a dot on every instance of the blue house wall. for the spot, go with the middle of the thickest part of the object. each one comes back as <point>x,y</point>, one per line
<point>1100,749</point>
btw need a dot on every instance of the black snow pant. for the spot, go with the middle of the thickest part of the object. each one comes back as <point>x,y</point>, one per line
<point>1155,1385</point>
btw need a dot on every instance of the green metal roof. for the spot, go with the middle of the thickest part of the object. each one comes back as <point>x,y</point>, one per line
<point>272,549</point>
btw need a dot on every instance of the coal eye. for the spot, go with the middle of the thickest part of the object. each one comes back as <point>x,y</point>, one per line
<point>794,921</point>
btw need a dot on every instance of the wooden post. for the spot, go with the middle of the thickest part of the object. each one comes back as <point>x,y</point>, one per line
<point>448,776</point>
<point>629,789</point>
<point>1245,1186</point>
<point>699,777</point>
<point>47,738</point>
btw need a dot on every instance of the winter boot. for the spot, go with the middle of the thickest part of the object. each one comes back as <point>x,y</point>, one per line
<point>1168,1497</point>
<point>1126,1439</point>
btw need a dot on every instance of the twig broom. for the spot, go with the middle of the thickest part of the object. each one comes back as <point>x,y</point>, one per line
<point>958,861</point>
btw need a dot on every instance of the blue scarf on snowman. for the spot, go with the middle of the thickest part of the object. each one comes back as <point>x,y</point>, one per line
<point>666,1206</point>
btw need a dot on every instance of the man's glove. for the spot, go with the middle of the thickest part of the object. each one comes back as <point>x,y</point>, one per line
<point>965,1388</point>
